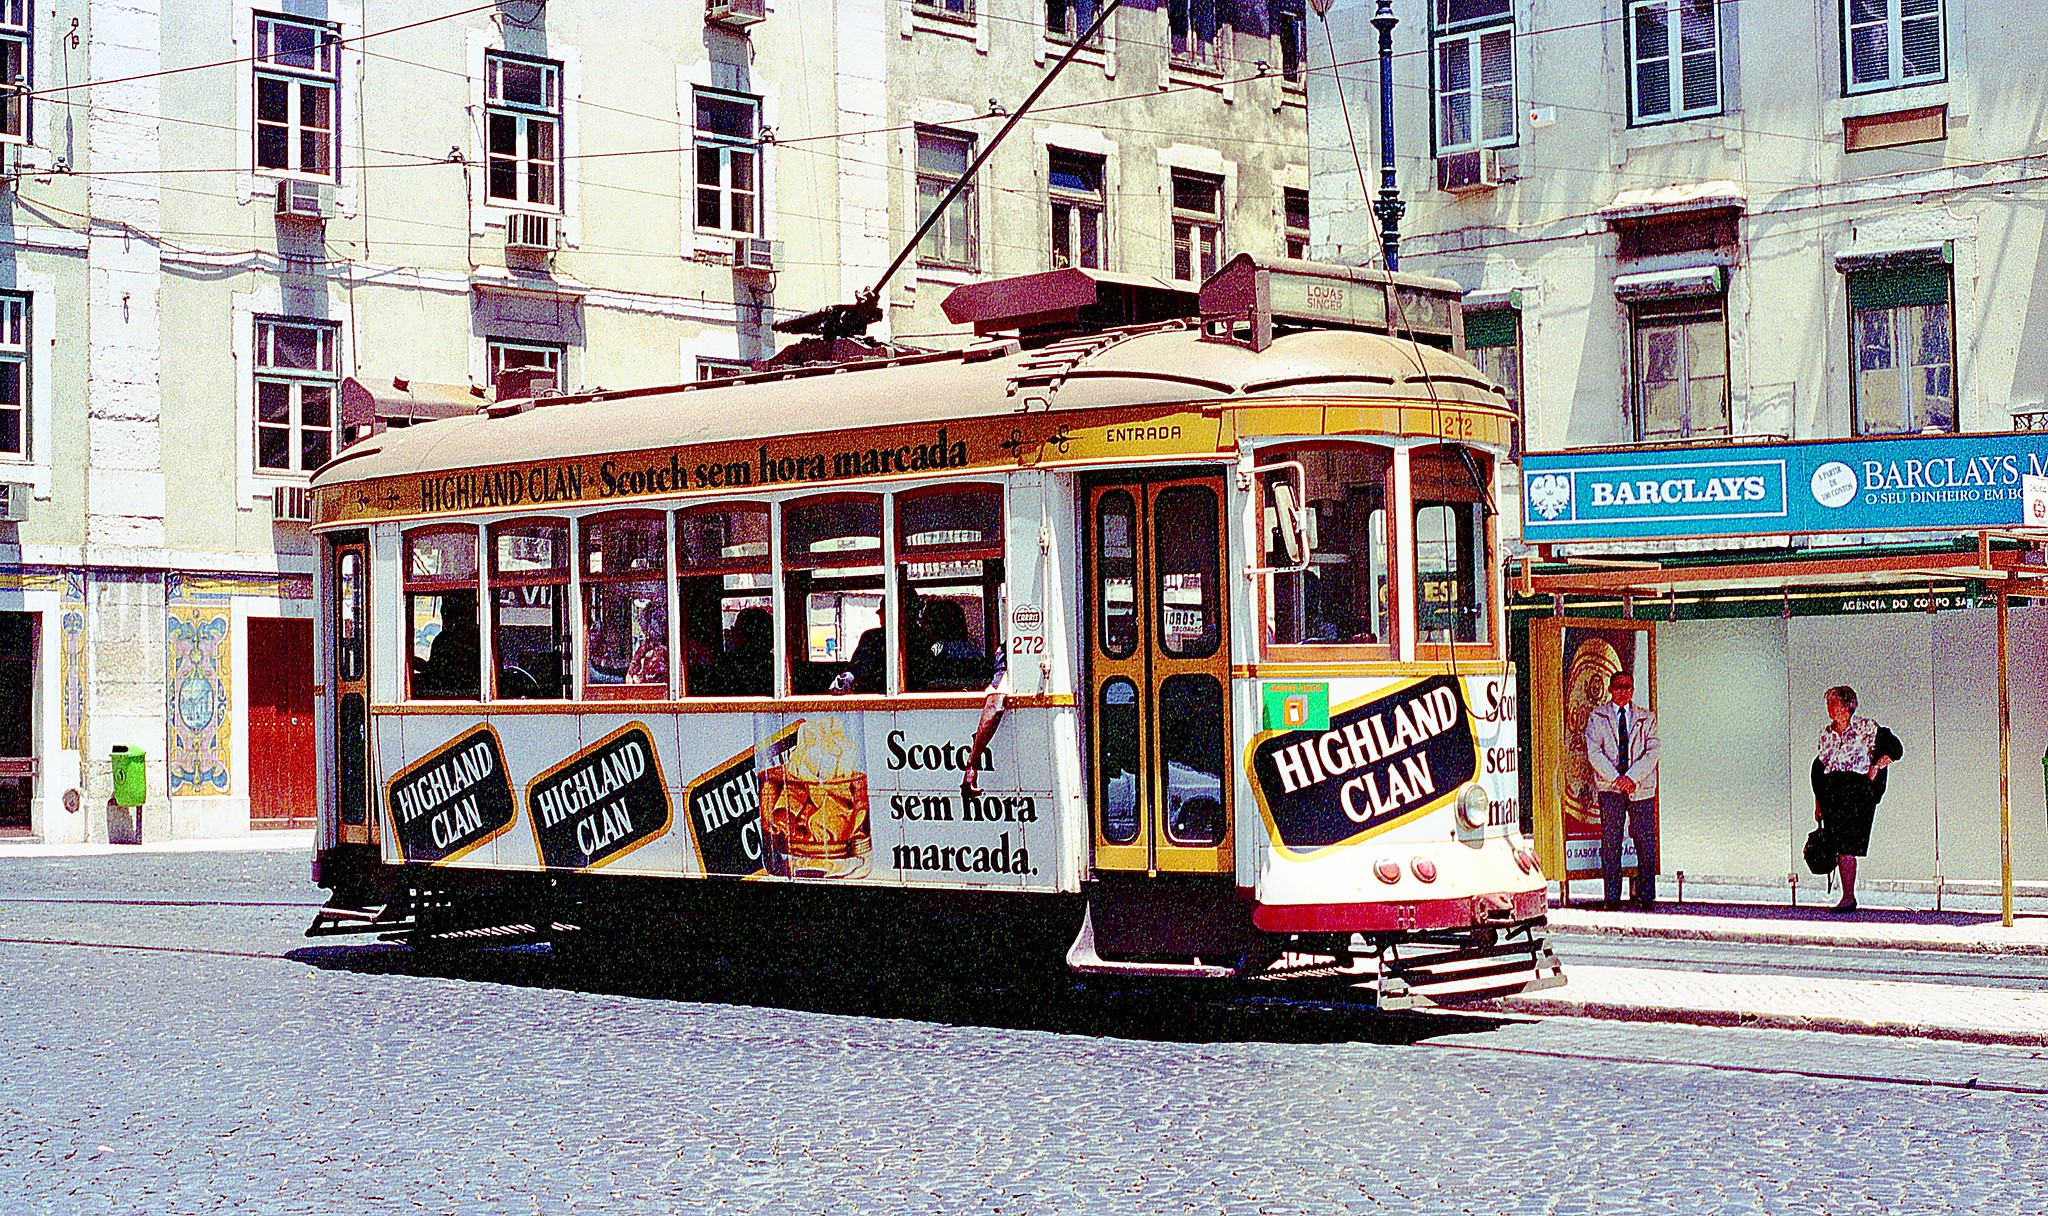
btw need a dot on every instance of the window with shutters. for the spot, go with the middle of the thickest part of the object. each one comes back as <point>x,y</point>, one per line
<point>1681,368</point>
<point>523,99</point>
<point>16,43</point>
<point>14,360</point>
<point>1888,44</point>
<point>296,381</point>
<point>1197,225</point>
<point>1474,57</point>
<point>1902,336</point>
<point>942,157</point>
<point>1195,33</point>
<point>297,67</point>
<point>1067,20</point>
<point>1493,340</point>
<point>1074,182</point>
<point>728,163</point>
<point>1675,59</point>
<point>1290,29</point>
<point>1295,203</point>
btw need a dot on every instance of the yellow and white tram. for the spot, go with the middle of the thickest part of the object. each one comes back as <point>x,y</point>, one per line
<point>1231,578</point>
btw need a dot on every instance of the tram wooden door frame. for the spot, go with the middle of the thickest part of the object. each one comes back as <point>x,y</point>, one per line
<point>1147,664</point>
<point>349,657</point>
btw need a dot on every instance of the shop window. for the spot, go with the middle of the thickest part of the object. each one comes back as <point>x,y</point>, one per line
<point>949,554</point>
<point>1450,488</point>
<point>1900,325</point>
<point>1296,205</point>
<point>1888,44</point>
<point>942,157</point>
<point>1197,225</point>
<point>296,380</point>
<point>1195,32</point>
<point>1475,75</point>
<point>1189,594</point>
<point>728,163</point>
<point>1332,519</point>
<point>523,100</point>
<point>1493,340</point>
<point>625,605</point>
<point>16,69</point>
<point>14,360</point>
<point>530,640</point>
<point>835,595</point>
<point>445,662</point>
<point>1675,53</point>
<point>728,601</point>
<point>1681,369</point>
<point>298,84</point>
<point>1074,181</point>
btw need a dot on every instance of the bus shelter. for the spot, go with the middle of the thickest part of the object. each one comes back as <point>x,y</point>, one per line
<point>1737,583</point>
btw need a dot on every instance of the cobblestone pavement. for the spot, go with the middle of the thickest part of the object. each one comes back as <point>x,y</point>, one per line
<point>195,1056</point>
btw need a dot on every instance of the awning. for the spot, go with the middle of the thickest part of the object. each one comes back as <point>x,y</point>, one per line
<point>1896,257</point>
<point>1675,200</point>
<point>1672,284</point>
<point>405,401</point>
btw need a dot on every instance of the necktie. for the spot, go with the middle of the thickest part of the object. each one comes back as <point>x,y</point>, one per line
<point>1622,740</point>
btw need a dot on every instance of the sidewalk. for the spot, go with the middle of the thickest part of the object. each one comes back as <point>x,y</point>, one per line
<point>300,840</point>
<point>1868,929</point>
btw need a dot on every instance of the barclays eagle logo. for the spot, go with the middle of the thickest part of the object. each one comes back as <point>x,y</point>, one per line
<point>1550,494</point>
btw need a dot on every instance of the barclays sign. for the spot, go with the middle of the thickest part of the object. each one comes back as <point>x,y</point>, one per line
<point>1911,483</point>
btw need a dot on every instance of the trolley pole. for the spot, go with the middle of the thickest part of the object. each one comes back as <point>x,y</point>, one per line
<point>1389,207</point>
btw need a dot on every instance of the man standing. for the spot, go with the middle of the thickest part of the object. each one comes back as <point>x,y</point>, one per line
<point>1621,742</point>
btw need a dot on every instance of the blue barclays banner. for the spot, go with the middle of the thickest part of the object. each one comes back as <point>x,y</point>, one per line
<point>1913,483</point>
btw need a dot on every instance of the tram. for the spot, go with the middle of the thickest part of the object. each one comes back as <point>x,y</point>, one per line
<point>1184,636</point>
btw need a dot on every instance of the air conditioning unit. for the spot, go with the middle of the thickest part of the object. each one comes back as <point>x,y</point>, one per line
<point>305,200</point>
<point>530,232</point>
<point>291,504</point>
<point>14,498</point>
<point>753,253</point>
<point>735,14</point>
<point>1466,172</point>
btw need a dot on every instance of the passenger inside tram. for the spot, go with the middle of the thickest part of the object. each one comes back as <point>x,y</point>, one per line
<point>748,668</point>
<point>451,670</point>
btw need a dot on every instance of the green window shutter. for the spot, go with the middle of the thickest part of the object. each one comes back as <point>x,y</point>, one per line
<point>1893,287</point>
<point>1494,327</point>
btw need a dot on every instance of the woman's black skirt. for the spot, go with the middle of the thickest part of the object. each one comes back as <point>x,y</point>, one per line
<point>1847,803</point>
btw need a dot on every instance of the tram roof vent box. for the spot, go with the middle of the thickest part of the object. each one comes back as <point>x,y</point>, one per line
<point>1253,297</point>
<point>1045,307</point>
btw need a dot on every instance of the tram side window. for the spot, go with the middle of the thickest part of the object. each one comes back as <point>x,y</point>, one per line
<point>949,553</point>
<point>1451,557</point>
<point>625,605</point>
<point>728,602</point>
<point>835,592</point>
<point>1339,510</point>
<point>446,663</point>
<point>530,608</point>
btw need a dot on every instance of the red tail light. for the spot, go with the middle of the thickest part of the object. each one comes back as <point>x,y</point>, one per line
<point>1387,870</point>
<point>1424,868</point>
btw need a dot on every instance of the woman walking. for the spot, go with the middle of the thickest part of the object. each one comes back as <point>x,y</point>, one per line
<point>1848,779</point>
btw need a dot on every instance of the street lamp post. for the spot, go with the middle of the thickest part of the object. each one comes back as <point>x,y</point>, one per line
<point>1389,207</point>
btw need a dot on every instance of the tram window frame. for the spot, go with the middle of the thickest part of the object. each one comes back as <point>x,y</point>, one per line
<point>925,669</point>
<point>1376,553</point>
<point>590,583</point>
<point>855,674</point>
<point>439,587</point>
<point>497,580</point>
<point>695,576</point>
<point>1453,486</point>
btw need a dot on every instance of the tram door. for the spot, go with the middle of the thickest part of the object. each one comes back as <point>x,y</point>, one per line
<point>1158,674</point>
<point>350,615</point>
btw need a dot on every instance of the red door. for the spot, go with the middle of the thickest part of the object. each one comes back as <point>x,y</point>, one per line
<point>280,723</point>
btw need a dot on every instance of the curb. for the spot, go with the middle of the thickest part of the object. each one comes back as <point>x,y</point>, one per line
<point>286,841</point>
<point>1617,1011</point>
<point>1768,938</point>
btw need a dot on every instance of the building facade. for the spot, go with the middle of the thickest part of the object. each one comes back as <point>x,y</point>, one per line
<point>1710,223</point>
<point>233,238</point>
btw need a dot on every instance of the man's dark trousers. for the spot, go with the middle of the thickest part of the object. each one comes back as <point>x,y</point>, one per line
<point>1642,824</point>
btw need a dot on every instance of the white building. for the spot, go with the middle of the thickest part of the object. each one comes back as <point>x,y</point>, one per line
<point>232,236</point>
<point>1709,222</point>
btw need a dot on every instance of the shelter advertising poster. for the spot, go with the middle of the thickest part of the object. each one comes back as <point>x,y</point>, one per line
<point>1573,661</point>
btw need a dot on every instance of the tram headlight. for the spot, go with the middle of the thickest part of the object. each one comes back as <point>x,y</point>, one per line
<point>1474,806</point>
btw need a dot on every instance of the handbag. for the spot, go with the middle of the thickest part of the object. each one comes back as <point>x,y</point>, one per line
<point>1820,855</point>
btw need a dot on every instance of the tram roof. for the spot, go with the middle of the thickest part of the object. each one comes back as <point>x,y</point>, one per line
<point>1169,364</point>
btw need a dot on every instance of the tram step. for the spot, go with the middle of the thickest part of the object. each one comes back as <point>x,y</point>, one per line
<point>1459,974</point>
<point>334,921</point>
<point>1082,957</point>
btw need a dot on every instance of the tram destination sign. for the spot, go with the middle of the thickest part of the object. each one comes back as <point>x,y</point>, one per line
<point>1379,763</point>
<point>1913,483</point>
<point>601,803</point>
<point>452,800</point>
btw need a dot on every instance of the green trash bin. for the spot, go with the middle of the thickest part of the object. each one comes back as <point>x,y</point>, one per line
<point>131,783</point>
